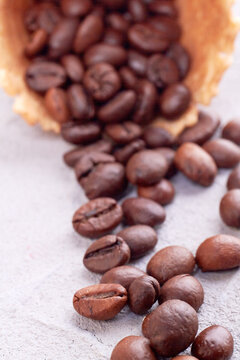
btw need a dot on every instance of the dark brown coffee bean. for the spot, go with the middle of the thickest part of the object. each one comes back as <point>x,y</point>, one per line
<point>106,253</point>
<point>146,38</point>
<point>174,101</point>
<point>80,103</point>
<point>113,37</point>
<point>89,161</point>
<point>102,81</point>
<point>163,7</point>
<point>123,133</point>
<point>234,179</point>
<point>74,67</point>
<point>133,347</point>
<point>169,155</point>
<point>171,327</point>
<point>89,32</point>
<point>37,43</point>
<point>56,103</point>
<point>140,238</point>
<point>162,71</point>
<point>44,16</point>
<point>230,208</point>
<point>78,133</point>
<point>146,167</point>
<point>137,10</point>
<point>196,164</point>
<point>231,131</point>
<point>146,101</point>
<point>143,211</point>
<point>162,193</point>
<point>219,252</point>
<point>123,275</point>
<point>213,343</point>
<point>168,28</point>
<point>118,108</point>
<point>41,76</point>
<point>184,357</point>
<point>185,288</point>
<point>114,4</point>
<point>76,7</point>
<point>117,22</point>
<point>182,58</point>
<point>97,217</point>
<point>169,262</point>
<point>156,136</point>
<point>101,301</point>
<point>124,154</point>
<point>137,62</point>
<point>129,79</point>
<point>225,153</point>
<point>114,55</point>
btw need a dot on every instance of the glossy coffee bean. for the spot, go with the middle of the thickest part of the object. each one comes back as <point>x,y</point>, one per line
<point>230,208</point>
<point>114,4</point>
<point>231,131</point>
<point>123,275</point>
<point>219,252</point>
<point>163,192</point>
<point>125,153</point>
<point>56,104</point>
<point>184,357</point>
<point>225,153</point>
<point>138,10</point>
<point>171,327</point>
<point>74,67</point>
<point>78,133</point>
<point>174,101</point>
<point>76,7</point>
<point>143,211</point>
<point>133,347</point>
<point>168,28</point>
<point>37,43</point>
<point>156,137</point>
<point>124,132</point>
<point>169,262</point>
<point>89,161</point>
<point>113,37</point>
<point>101,52</point>
<point>88,33</point>
<point>101,301</point>
<point>196,164</point>
<point>117,21</point>
<point>106,253</point>
<point>163,7</point>
<point>140,239</point>
<point>162,71</point>
<point>213,343</point>
<point>145,103</point>
<point>169,155</point>
<point>182,58</point>
<point>97,217</point>
<point>102,81</point>
<point>185,288</point>
<point>80,103</point>
<point>129,79</point>
<point>137,62</point>
<point>234,179</point>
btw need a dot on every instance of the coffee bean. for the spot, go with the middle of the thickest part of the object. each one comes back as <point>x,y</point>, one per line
<point>89,161</point>
<point>89,32</point>
<point>146,101</point>
<point>129,79</point>
<point>106,253</point>
<point>76,7</point>
<point>56,104</point>
<point>219,252</point>
<point>234,179</point>
<point>30,18</point>
<point>225,153</point>
<point>162,193</point>
<point>137,10</point>
<point>169,155</point>
<point>163,7</point>
<point>162,71</point>
<point>97,217</point>
<point>101,52</point>
<point>137,62</point>
<point>230,208</point>
<point>123,275</point>
<point>213,343</point>
<point>101,301</point>
<point>184,357</point>
<point>102,81</point>
<point>133,347</point>
<point>80,103</point>
<point>185,288</point>
<point>114,4</point>
<point>117,22</point>
<point>140,239</point>
<point>78,133</point>
<point>44,16</point>
<point>168,28</point>
<point>37,43</point>
<point>113,37</point>
<point>143,211</point>
<point>124,154</point>
<point>74,67</point>
<point>171,327</point>
<point>231,131</point>
<point>196,164</point>
<point>182,58</point>
<point>146,167</point>
<point>123,133</point>
<point>169,262</point>
<point>174,101</point>
<point>142,294</point>
<point>41,76</point>
<point>98,10</point>
<point>118,108</point>
<point>156,136</point>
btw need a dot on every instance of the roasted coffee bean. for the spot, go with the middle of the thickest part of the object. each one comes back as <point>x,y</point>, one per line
<point>76,7</point>
<point>56,104</point>
<point>162,71</point>
<point>106,253</point>
<point>171,327</point>
<point>156,136</point>
<point>31,17</point>
<point>146,167</point>
<point>146,101</point>
<point>196,164</point>
<point>213,343</point>
<point>123,275</point>
<point>97,217</point>
<point>162,193</point>
<point>169,262</point>
<point>225,153</point>
<point>202,131</point>
<point>80,103</point>
<point>169,155</point>
<point>129,79</point>
<point>124,154</point>
<point>114,55</point>
<point>89,32</point>
<point>168,28</point>
<point>102,81</point>
<point>118,108</point>
<point>143,211</point>
<point>61,39</point>
<point>44,16</point>
<point>89,161</point>
<point>185,288</point>
<point>114,4</point>
<point>99,10</point>
<point>230,208</point>
<point>181,56</point>
<point>74,67</point>
<point>117,22</point>
<point>137,62</point>
<point>219,252</point>
<point>184,357</point>
<point>231,131</point>
<point>174,101</point>
<point>140,239</point>
<point>146,38</point>
<point>123,133</point>
<point>142,294</point>
<point>163,7</point>
<point>137,10</point>
<point>234,179</point>
<point>37,43</point>
<point>41,76</point>
<point>133,347</point>
<point>101,301</point>
<point>77,133</point>
<point>113,37</point>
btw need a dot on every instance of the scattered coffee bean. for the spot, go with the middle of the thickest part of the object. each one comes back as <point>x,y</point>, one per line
<point>80,103</point>
<point>129,79</point>
<point>234,179</point>
<point>89,161</point>
<point>168,27</point>
<point>230,208</point>
<point>181,57</point>
<point>123,275</point>
<point>162,71</point>
<point>56,104</point>
<point>137,10</point>
<point>37,43</point>
<point>123,133</point>
<point>124,154</point>
<point>169,155</point>
<point>74,67</point>
<point>101,52</point>
<point>162,192</point>
<point>225,153</point>
<point>77,133</point>
<point>146,101</point>
<point>76,7</point>
<point>163,7</point>
<point>133,347</point>
<point>156,136</point>
<point>137,62</point>
<point>231,131</point>
<point>174,101</point>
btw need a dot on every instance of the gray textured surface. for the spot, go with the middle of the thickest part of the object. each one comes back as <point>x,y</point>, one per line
<point>41,256</point>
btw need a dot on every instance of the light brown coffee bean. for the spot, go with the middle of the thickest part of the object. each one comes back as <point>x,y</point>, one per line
<point>231,131</point>
<point>123,275</point>
<point>234,179</point>
<point>88,33</point>
<point>133,347</point>
<point>56,103</point>
<point>37,43</point>
<point>225,153</point>
<point>230,208</point>
<point>163,192</point>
